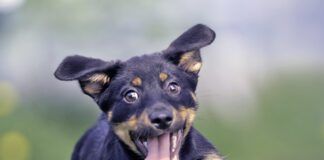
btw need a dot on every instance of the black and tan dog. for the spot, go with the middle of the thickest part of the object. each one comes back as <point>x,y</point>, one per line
<point>148,103</point>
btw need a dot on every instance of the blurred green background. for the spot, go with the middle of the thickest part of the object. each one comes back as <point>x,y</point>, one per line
<point>261,89</point>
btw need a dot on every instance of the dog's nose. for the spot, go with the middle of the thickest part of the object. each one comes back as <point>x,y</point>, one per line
<point>161,120</point>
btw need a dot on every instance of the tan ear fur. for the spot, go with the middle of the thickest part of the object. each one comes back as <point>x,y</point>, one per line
<point>190,61</point>
<point>95,83</point>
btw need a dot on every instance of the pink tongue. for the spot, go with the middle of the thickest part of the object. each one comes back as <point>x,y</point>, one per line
<point>159,148</point>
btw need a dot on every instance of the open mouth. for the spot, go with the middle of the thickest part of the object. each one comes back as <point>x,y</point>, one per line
<point>164,145</point>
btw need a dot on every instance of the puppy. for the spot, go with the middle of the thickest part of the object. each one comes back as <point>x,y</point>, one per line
<point>148,103</point>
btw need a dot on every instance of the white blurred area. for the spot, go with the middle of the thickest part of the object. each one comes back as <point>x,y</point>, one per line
<point>255,40</point>
<point>10,5</point>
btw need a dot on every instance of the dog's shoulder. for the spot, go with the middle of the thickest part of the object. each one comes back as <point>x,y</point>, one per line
<point>92,140</point>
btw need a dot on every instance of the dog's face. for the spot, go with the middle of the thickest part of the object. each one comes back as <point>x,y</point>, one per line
<point>148,97</point>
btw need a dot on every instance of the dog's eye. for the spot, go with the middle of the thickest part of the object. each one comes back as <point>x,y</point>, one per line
<point>174,88</point>
<point>130,96</point>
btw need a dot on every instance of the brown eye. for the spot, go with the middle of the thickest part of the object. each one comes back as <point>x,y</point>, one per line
<point>131,96</point>
<point>174,88</point>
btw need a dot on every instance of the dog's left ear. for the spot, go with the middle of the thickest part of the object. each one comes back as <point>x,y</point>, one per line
<point>185,50</point>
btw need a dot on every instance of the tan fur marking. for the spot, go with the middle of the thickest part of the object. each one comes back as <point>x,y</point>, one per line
<point>100,77</point>
<point>195,67</point>
<point>132,122</point>
<point>137,81</point>
<point>125,137</point>
<point>91,90</point>
<point>186,57</point>
<point>174,113</point>
<point>194,97</point>
<point>163,76</point>
<point>144,119</point>
<point>212,156</point>
<point>122,131</point>
<point>183,113</point>
<point>189,115</point>
<point>188,63</point>
<point>96,82</point>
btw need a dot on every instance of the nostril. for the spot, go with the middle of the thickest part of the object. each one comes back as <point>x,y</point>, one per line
<point>156,121</point>
<point>168,119</point>
<point>161,121</point>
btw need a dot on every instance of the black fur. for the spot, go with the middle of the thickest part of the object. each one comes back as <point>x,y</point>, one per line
<point>109,82</point>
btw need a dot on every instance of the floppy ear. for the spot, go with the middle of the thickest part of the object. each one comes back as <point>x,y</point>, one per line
<point>185,50</point>
<point>93,75</point>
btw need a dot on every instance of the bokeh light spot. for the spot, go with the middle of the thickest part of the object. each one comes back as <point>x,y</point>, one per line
<point>14,146</point>
<point>8,98</point>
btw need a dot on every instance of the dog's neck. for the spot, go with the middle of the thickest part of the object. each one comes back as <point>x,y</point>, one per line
<point>115,148</point>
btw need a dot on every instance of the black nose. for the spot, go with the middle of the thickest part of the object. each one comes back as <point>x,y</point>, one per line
<point>161,120</point>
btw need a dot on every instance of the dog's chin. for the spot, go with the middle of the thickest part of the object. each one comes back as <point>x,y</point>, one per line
<point>174,139</point>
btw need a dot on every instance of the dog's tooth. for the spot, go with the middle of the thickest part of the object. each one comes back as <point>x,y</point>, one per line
<point>174,137</point>
<point>145,144</point>
<point>180,132</point>
<point>180,136</point>
<point>174,142</point>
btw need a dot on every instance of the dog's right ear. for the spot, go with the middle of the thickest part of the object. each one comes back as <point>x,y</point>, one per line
<point>93,75</point>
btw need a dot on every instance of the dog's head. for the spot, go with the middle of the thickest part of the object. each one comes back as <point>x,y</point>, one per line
<point>147,96</point>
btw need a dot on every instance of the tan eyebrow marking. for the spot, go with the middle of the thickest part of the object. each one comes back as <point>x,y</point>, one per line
<point>163,76</point>
<point>137,81</point>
